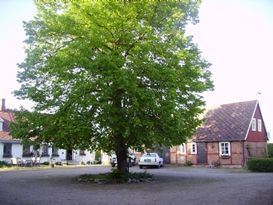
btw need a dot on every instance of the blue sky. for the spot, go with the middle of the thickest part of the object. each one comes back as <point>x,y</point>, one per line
<point>236,36</point>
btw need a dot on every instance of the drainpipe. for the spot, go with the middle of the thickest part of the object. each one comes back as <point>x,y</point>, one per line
<point>243,147</point>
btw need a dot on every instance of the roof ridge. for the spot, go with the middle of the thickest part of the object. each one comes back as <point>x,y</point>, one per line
<point>248,101</point>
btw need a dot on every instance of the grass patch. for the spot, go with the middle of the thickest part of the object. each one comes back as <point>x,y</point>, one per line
<point>116,177</point>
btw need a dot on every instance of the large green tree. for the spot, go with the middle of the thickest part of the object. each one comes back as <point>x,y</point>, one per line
<point>111,75</point>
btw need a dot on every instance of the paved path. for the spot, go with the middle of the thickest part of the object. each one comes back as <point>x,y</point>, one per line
<point>172,185</point>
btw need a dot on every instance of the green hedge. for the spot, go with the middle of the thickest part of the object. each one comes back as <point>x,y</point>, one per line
<point>260,165</point>
<point>4,164</point>
<point>270,150</point>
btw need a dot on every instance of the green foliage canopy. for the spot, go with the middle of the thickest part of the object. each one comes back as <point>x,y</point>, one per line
<point>111,74</point>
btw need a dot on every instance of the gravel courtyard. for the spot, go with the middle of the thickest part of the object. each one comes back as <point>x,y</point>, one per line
<point>172,185</point>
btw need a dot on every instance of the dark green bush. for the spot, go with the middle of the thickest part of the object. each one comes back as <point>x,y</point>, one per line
<point>188,163</point>
<point>260,165</point>
<point>115,177</point>
<point>4,164</point>
<point>270,150</point>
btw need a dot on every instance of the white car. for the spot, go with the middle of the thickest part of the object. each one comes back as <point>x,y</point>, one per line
<point>131,160</point>
<point>151,160</point>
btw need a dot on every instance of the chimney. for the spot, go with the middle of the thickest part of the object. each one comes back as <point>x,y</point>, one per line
<point>3,106</point>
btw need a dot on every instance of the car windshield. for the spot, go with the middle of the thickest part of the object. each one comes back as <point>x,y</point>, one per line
<point>149,155</point>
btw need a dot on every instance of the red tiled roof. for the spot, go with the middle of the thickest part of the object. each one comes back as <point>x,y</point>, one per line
<point>7,117</point>
<point>5,136</point>
<point>229,122</point>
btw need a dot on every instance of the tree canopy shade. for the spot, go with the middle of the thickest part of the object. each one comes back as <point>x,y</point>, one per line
<point>111,75</point>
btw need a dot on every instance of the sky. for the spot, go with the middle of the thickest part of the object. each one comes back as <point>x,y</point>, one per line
<point>235,36</point>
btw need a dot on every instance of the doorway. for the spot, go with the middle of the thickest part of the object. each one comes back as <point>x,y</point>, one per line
<point>202,153</point>
<point>69,154</point>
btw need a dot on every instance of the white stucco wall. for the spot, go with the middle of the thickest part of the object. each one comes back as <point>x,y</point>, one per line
<point>1,151</point>
<point>89,157</point>
<point>62,154</point>
<point>17,152</point>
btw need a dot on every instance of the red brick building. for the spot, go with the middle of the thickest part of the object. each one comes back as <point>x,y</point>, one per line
<point>230,134</point>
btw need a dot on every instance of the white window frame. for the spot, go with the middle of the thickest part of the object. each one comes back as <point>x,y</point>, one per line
<point>7,150</point>
<point>223,152</point>
<point>253,124</point>
<point>259,125</point>
<point>44,150</point>
<point>1,124</point>
<point>193,148</point>
<point>182,148</point>
<point>26,149</point>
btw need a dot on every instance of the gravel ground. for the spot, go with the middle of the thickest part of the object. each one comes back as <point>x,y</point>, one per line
<point>172,185</point>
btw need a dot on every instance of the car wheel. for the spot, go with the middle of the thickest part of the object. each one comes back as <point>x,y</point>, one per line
<point>113,165</point>
<point>159,165</point>
<point>140,166</point>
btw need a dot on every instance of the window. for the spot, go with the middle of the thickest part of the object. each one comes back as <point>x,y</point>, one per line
<point>7,150</point>
<point>26,151</point>
<point>182,149</point>
<point>55,151</point>
<point>36,149</point>
<point>253,124</point>
<point>259,125</point>
<point>193,148</point>
<point>45,150</point>
<point>82,152</point>
<point>224,148</point>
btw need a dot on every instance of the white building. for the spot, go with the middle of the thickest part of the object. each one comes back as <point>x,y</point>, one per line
<point>14,152</point>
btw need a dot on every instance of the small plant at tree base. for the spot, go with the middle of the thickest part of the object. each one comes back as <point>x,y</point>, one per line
<point>116,177</point>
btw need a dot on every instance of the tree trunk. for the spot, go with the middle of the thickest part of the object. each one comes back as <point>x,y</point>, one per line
<point>122,160</point>
<point>120,147</point>
<point>121,152</point>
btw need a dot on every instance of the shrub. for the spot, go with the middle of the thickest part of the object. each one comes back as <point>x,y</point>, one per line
<point>4,164</point>
<point>45,163</point>
<point>260,164</point>
<point>216,163</point>
<point>188,163</point>
<point>270,150</point>
<point>116,177</point>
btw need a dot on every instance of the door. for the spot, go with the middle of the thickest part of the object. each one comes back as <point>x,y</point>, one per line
<point>69,154</point>
<point>202,153</point>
